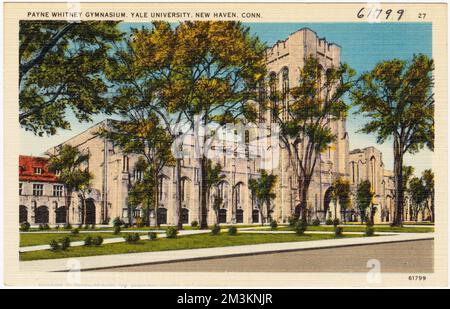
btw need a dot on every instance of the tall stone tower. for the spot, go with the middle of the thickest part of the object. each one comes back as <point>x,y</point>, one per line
<point>284,61</point>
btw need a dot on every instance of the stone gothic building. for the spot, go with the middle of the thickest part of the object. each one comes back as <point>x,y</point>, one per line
<point>114,171</point>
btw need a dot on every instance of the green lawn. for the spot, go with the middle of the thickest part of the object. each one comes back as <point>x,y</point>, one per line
<point>184,242</point>
<point>361,228</point>
<point>34,239</point>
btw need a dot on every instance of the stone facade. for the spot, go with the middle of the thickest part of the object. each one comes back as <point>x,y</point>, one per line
<point>114,171</point>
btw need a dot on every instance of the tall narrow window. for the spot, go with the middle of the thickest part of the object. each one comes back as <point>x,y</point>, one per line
<point>20,188</point>
<point>285,91</point>
<point>273,94</point>
<point>125,166</point>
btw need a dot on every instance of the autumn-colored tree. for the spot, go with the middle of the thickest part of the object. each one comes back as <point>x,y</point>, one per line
<point>397,97</point>
<point>69,164</point>
<point>213,70</point>
<point>61,66</point>
<point>262,189</point>
<point>305,121</point>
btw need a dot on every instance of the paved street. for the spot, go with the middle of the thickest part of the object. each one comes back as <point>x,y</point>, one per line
<point>406,257</point>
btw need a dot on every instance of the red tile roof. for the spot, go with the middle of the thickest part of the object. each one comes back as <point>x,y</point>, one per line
<point>27,164</point>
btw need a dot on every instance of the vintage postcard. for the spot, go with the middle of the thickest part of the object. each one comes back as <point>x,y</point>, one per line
<point>225,145</point>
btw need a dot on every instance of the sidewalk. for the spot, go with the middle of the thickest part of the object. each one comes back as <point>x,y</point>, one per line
<point>107,261</point>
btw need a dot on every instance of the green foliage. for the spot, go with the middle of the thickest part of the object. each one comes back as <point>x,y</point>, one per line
<point>88,241</point>
<point>336,222</point>
<point>75,232</point>
<point>316,222</point>
<point>305,131</point>
<point>292,220</point>
<point>273,225</point>
<point>54,245</point>
<point>139,222</point>
<point>300,227</point>
<point>25,227</point>
<point>117,222</point>
<point>65,243</point>
<point>194,224</point>
<point>341,192</point>
<point>152,235</point>
<point>97,241</point>
<point>132,238</point>
<point>117,230</point>
<point>364,195</point>
<point>232,231</point>
<point>370,231</point>
<point>62,66</point>
<point>215,230</point>
<point>398,100</point>
<point>338,230</point>
<point>171,232</point>
<point>329,222</point>
<point>262,189</point>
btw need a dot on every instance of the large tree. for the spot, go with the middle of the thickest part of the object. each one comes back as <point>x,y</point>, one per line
<point>418,193</point>
<point>214,68</point>
<point>139,79</point>
<point>61,66</point>
<point>71,167</point>
<point>305,124</point>
<point>141,134</point>
<point>262,189</point>
<point>397,97</point>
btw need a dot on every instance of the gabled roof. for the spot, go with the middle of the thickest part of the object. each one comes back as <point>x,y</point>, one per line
<point>27,165</point>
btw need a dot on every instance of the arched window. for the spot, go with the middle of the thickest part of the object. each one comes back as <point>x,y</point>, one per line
<point>125,163</point>
<point>373,172</point>
<point>239,216</point>
<point>23,214</point>
<point>184,216</point>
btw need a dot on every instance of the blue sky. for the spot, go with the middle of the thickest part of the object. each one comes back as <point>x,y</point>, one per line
<point>363,46</point>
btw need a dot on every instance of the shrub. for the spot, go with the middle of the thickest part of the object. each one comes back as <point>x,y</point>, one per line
<point>194,224</point>
<point>86,226</point>
<point>117,222</point>
<point>132,238</point>
<point>46,226</point>
<point>24,227</point>
<point>54,245</point>
<point>139,222</point>
<point>370,231</point>
<point>300,227</point>
<point>316,222</point>
<point>88,241</point>
<point>67,226</point>
<point>338,231</point>
<point>93,226</point>
<point>152,236</point>
<point>329,222</point>
<point>171,232</point>
<point>80,226</point>
<point>57,227</point>
<point>97,241</point>
<point>336,222</point>
<point>41,227</point>
<point>75,232</point>
<point>65,243</point>
<point>292,221</point>
<point>126,225</point>
<point>232,231</point>
<point>215,230</point>
<point>369,222</point>
<point>273,225</point>
<point>116,230</point>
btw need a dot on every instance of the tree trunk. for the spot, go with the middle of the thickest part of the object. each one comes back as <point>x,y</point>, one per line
<point>203,194</point>
<point>179,207</point>
<point>156,201</point>
<point>303,186</point>
<point>398,180</point>
<point>269,216</point>
<point>432,207</point>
